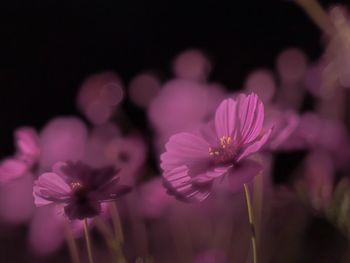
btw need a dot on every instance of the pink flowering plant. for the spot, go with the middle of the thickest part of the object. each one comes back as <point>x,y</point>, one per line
<point>192,161</point>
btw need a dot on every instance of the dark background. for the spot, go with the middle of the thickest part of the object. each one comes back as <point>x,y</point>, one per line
<point>48,47</point>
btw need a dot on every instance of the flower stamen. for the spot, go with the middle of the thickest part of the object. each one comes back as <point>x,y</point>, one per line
<point>76,185</point>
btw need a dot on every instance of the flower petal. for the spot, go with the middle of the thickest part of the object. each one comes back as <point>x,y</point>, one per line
<point>184,149</point>
<point>111,191</point>
<point>250,112</point>
<point>243,173</point>
<point>180,184</point>
<point>225,118</point>
<point>254,146</point>
<point>27,143</point>
<point>11,169</point>
<point>50,188</point>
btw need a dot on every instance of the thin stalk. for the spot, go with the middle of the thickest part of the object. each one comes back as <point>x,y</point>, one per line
<point>72,245</point>
<point>251,223</point>
<point>317,14</point>
<point>88,241</point>
<point>118,231</point>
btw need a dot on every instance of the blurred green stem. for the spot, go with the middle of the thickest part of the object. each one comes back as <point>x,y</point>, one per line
<point>72,246</point>
<point>88,241</point>
<point>251,223</point>
<point>317,14</point>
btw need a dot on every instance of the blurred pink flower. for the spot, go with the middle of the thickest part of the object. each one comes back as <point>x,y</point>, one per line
<point>262,83</point>
<point>99,95</point>
<point>127,154</point>
<point>27,154</point>
<point>179,105</point>
<point>193,65</point>
<point>182,105</point>
<point>62,139</point>
<point>96,153</point>
<point>284,123</point>
<point>192,161</point>
<point>291,65</point>
<point>79,188</point>
<point>143,88</point>
<point>154,199</point>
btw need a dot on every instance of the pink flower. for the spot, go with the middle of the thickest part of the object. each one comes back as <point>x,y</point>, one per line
<point>79,188</point>
<point>193,65</point>
<point>193,160</point>
<point>99,96</point>
<point>27,154</point>
<point>154,200</point>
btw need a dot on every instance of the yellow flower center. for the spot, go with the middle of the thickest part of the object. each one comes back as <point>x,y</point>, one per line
<point>225,152</point>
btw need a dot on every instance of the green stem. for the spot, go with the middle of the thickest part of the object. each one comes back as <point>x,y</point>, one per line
<point>317,14</point>
<point>88,241</point>
<point>118,232</point>
<point>72,246</point>
<point>251,223</point>
<point>116,223</point>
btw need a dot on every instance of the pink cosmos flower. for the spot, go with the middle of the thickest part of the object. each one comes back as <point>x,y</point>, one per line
<point>193,160</point>
<point>80,188</point>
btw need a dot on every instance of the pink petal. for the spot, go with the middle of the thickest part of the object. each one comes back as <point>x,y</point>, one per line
<point>251,117</point>
<point>287,126</point>
<point>225,118</point>
<point>184,149</point>
<point>27,142</point>
<point>218,171</point>
<point>11,169</point>
<point>242,174</point>
<point>254,146</point>
<point>179,183</point>
<point>50,188</point>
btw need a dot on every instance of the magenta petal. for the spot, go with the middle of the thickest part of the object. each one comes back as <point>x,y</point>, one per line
<point>251,117</point>
<point>27,142</point>
<point>11,169</point>
<point>243,173</point>
<point>218,171</point>
<point>184,149</point>
<point>49,188</point>
<point>286,126</point>
<point>254,146</point>
<point>225,118</point>
<point>179,183</point>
